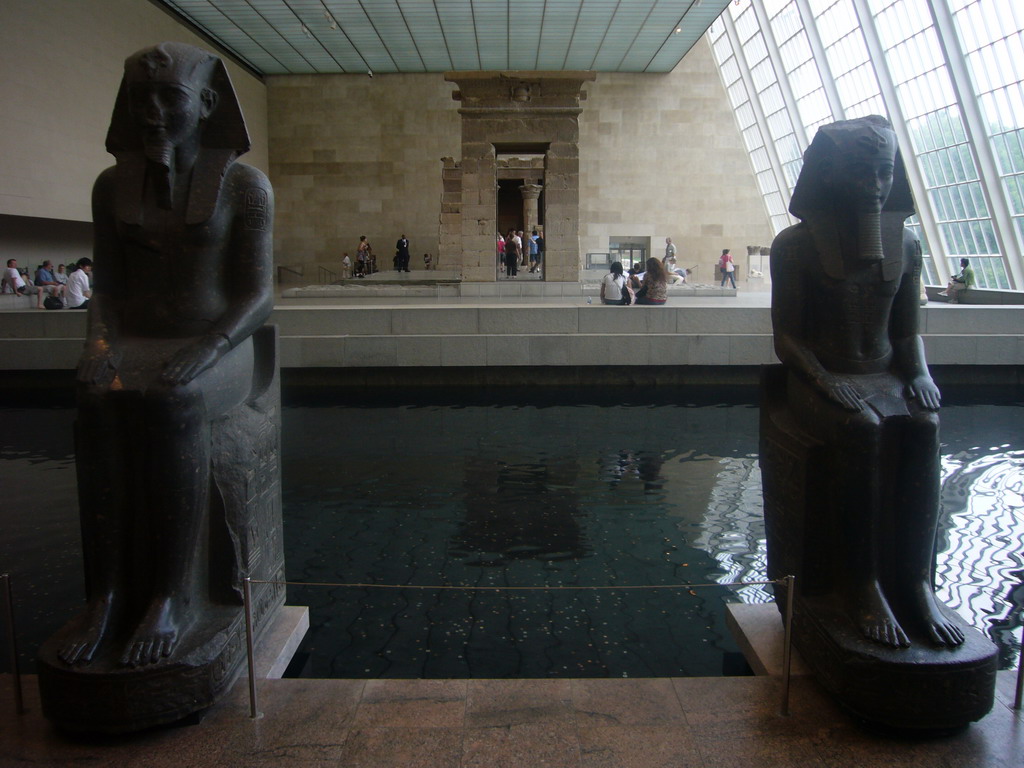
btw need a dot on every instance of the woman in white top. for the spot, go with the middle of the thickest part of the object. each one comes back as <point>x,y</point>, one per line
<point>613,287</point>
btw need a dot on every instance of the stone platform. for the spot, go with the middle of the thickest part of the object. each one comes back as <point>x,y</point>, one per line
<point>560,331</point>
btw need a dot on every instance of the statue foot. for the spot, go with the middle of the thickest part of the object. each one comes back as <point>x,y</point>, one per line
<point>156,636</point>
<point>81,648</point>
<point>876,621</point>
<point>940,630</point>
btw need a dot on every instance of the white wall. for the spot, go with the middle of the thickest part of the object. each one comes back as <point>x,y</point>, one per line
<point>61,63</point>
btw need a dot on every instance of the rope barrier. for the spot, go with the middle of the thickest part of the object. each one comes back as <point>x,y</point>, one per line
<point>361,585</point>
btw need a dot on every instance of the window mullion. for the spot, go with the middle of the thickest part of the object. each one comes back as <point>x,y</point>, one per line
<point>755,105</point>
<point>979,144</point>
<point>828,80</point>
<point>781,76</point>
<point>940,260</point>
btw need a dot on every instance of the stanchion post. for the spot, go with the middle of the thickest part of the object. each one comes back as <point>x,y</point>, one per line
<point>787,642</point>
<point>1020,674</point>
<point>12,643</point>
<point>247,593</point>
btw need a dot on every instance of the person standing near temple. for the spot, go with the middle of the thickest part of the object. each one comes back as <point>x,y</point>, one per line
<point>513,250</point>
<point>533,251</point>
<point>402,253</point>
<point>728,267</point>
<point>364,256</point>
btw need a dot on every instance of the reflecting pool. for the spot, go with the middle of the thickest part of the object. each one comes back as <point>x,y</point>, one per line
<point>528,490</point>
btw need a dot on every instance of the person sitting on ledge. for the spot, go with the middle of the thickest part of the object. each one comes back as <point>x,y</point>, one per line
<point>47,280</point>
<point>79,290</point>
<point>613,287</point>
<point>960,282</point>
<point>15,282</point>
<point>654,289</point>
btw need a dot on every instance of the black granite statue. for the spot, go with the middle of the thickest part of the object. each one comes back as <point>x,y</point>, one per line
<point>178,422</point>
<point>850,443</point>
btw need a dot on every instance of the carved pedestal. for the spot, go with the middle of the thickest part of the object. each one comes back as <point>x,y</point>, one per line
<point>243,537</point>
<point>922,687</point>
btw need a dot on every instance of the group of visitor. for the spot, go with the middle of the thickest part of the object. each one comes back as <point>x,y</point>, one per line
<point>511,249</point>
<point>53,288</point>
<point>366,260</point>
<point>649,287</point>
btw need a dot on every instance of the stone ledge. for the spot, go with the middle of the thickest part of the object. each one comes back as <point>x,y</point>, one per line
<point>977,296</point>
<point>560,334</point>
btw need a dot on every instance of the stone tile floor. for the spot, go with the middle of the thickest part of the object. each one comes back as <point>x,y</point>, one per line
<point>597,723</point>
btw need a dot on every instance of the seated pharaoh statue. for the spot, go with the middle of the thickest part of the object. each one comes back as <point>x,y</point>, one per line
<point>178,407</point>
<point>850,442</point>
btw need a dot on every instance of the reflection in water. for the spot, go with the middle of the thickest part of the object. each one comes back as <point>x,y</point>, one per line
<point>542,494</point>
<point>516,511</point>
<point>732,530</point>
<point>981,541</point>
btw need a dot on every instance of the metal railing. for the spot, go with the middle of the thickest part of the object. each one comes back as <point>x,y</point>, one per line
<point>325,275</point>
<point>12,641</point>
<point>283,270</point>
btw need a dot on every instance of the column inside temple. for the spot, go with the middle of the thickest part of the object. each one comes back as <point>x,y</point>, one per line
<point>531,194</point>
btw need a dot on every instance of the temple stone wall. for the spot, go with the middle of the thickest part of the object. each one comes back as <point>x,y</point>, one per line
<point>352,155</point>
<point>658,156</point>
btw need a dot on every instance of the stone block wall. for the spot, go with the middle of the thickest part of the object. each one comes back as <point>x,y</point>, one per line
<point>658,156</point>
<point>353,155</point>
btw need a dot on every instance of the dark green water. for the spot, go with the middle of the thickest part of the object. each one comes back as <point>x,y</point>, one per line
<point>526,490</point>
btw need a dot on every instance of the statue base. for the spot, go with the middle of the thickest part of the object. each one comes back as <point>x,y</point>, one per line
<point>105,696</point>
<point>923,687</point>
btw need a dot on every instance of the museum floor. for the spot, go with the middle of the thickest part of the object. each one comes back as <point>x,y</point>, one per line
<point>641,723</point>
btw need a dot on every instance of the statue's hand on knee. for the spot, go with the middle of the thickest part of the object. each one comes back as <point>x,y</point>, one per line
<point>192,359</point>
<point>923,389</point>
<point>98,365</point>
<point>841,392</point>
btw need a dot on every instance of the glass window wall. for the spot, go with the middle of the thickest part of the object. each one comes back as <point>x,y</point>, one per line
<point>825,51</point>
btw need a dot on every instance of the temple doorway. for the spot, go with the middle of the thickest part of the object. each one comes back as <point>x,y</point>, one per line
<point>520,132</point>
<point>519,203</point>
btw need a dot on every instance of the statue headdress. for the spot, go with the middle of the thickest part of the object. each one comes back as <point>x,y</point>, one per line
<point>813,203</point>
<point>223,139</point>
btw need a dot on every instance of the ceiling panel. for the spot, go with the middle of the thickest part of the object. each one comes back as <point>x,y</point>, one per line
<point>274,37</point>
